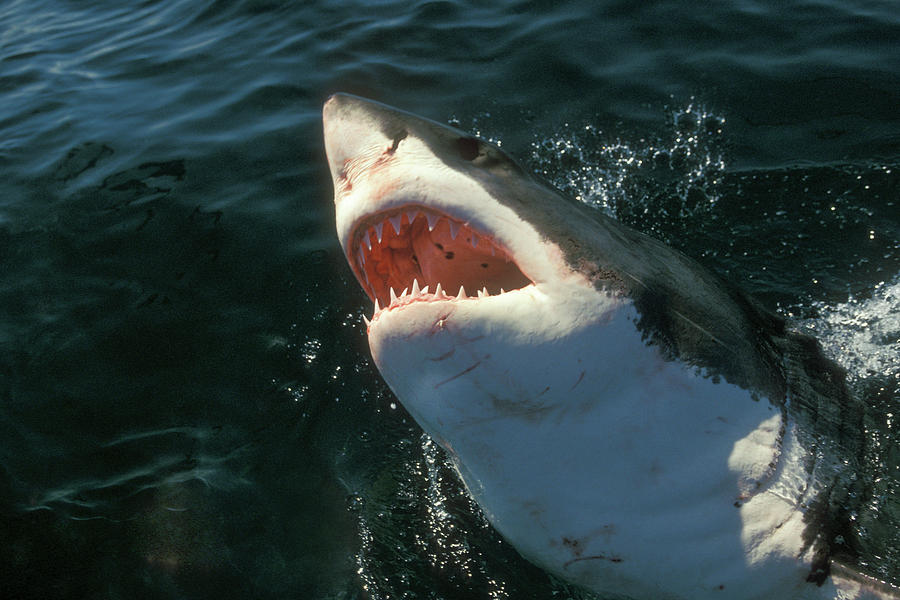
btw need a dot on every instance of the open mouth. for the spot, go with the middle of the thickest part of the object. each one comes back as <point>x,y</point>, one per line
<point>418,249</point>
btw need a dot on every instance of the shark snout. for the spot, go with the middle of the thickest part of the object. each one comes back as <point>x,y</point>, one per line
<point>353,127</point>
<point>337,143</point>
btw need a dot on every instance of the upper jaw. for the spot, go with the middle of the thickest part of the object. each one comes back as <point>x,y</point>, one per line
<point>348,127</point>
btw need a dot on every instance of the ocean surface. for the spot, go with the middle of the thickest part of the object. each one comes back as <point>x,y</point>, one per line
<point>188,408</point>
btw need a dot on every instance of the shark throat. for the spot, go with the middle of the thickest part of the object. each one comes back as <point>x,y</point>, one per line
<point>414,246</point>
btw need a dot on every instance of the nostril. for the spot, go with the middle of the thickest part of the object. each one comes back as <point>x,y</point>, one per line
<point>397,139</point>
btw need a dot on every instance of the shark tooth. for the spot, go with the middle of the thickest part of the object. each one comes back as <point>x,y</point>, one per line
<point>367,321</point>
<point>366,240</point>
<point>395,222</point>
<point>425,290</point>
<point>393,296</point>
<point>462,293</point>
<point>404,292</point>
<point>454,229</point>
<point>379,228</point>
<point>415,287</point>
<point>377,308</point>
<point>362,257</point>
<point>437,290</point>
<point>432,220</point>
<point>411,215</point>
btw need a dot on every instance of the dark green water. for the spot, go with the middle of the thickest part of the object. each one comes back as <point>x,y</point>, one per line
<point>187,406</point>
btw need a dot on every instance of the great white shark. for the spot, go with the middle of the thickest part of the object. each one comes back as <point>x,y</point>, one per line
<point>625,419</point>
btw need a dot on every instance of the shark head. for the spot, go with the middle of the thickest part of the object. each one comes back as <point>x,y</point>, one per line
<point>451,240</point>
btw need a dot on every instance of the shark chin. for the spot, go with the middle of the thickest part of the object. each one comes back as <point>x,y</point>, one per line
<point>626,420</point>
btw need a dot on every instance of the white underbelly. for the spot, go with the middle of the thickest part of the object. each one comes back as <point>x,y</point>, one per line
<point>657,478</point>
<point>601,461</point>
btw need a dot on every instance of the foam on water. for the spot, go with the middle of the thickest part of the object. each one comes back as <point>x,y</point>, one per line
<point>625,178</point>
<point>437,525</point>
<point>862,334</point>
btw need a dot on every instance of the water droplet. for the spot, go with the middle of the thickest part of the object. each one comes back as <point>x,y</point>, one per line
<point>355,502</point>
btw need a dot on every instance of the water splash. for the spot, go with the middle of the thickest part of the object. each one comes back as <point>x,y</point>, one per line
<point>427,525</point>
<point>862,334</point>
<point>674,176</point>
<point>422,536</point>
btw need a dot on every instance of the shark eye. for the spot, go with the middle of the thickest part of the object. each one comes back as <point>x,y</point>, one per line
<point>468,148</point>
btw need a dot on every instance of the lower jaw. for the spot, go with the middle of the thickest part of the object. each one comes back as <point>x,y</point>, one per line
<point>418,295</point>
<point>409,298</point>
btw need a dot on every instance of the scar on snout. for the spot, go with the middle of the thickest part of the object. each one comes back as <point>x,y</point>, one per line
<point>460,374</point>
<point>344,179</point>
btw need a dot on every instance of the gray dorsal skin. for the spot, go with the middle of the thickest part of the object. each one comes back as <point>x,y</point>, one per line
<point>685,312</point>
